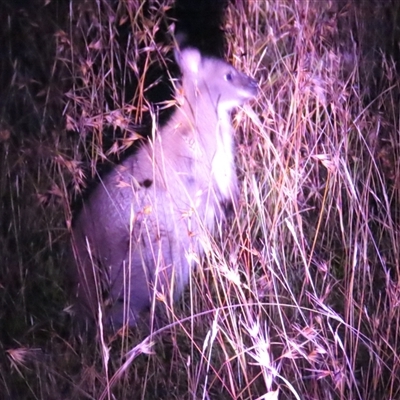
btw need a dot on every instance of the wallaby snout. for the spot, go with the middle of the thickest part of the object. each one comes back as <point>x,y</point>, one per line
<point>137,232</point>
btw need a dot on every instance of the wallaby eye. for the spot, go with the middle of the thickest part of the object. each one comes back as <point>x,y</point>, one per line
<point>228,77</point>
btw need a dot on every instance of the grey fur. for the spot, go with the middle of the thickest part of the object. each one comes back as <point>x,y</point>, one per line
<point>143,221</point>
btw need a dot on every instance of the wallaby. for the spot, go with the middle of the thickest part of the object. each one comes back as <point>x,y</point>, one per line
<point>139,231</point>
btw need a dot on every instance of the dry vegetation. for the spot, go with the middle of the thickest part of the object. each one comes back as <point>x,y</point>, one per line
<point>299,295</point>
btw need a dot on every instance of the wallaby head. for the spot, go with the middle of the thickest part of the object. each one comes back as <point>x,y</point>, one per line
<point>219,81</point>
<point>138,232</point>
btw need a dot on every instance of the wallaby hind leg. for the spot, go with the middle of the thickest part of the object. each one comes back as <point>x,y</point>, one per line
<point>154,272</point>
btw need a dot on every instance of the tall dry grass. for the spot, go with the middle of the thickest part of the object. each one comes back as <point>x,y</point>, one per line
<point>298,295</point>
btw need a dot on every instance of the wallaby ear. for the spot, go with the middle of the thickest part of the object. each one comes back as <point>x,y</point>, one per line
<point>189,61</point>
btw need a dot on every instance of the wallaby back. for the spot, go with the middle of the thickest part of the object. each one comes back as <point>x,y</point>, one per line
<point>139,230</point>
